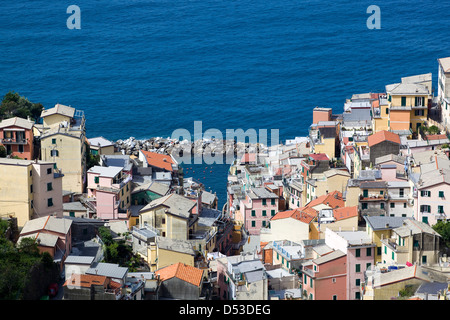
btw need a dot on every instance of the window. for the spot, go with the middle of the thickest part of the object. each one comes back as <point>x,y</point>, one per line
<point>264,202</point>
<point>378,250</point>
<point>49,202</point>
<point>364,205</point>
<point>440,209</point>
<point>272,202</point>
<point>365,193</point>
<point>424,259</point>
<point>358,282</point>
<point>403,101</point>
<point>264,213</point>
<point>404,205</point>
<point>392,205</point>
<point>393,255</point>
<point>49,186</point>
<point>54,153</point>
<point>425,219</point>
<point>368,265</point>
<point>53,141</point>
<point>424,193</point>
<point>425,208</point>
<point>72,214</point>
<point>402,192</point>
<point>272,212</point>
<point>31,188</point>
<point>96,179</point>
<point>369,252</point>
<point>49,171</point>
<point>253,213</point>
<point>358,268</point>
<point>334,297</point>
<point>441,194</point>
<point>311,282</point>
<point>253,223</point>
<point>357,295</point>
<point>381,205</point>
<point>358,252</point>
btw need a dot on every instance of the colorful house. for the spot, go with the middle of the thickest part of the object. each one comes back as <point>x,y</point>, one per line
<point>325,278</point>
<point>257,208</point>
<point>16,135</point>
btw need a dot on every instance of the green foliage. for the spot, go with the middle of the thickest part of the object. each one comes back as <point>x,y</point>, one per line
<point>118,251</point>
<point>91,160</point>
<point>14,105</point>
<point>24,272</point>
<point>443,228</point>
<point>3,153</point>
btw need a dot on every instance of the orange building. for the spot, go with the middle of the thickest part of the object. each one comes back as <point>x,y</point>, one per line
<point>16,135</point>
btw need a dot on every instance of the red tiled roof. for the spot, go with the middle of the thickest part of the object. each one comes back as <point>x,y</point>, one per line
<point>319,156</point>
<point>345,212</point>
<point>436,136</point>
<point>181,271</point>
<point>303,214</point>
<point>158,160</point>
<point>383,136</point>
<point>334,200</point>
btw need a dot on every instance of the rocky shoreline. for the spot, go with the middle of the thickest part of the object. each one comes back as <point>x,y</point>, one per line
<point>131,146</point>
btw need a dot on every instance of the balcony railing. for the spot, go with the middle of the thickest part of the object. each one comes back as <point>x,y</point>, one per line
<point>14,141</point>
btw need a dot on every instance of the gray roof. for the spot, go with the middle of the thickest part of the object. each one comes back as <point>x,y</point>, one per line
<point>100,142</point>
<point>117,160</point>
<point>357,115</point>
<point>74,206</point>
<point>49,223</point>
<point>176,245</point>
<point>72,259</point>
<point>431,178</point>
<point>59,109</point>
<point>109,172</point>
<point>176,204</point>
<point>373,184</point>
<point>407,89</point>
<point>390,157</point>
<point>159,188</point>
<point>261,193</point>
<point>432,288</point>
<point>108,270</point>
<point>415,227</point>
<point>329,257</point>
<point>384,222</point>
<point>17,122</point>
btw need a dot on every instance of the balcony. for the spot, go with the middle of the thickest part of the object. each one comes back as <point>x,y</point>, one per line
<point>20,141</point>
<point>373,197</point>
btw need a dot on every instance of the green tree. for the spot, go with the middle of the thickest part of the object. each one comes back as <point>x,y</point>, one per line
<point>14,105</point>
<point>443,228</point>
<point>3,152</point>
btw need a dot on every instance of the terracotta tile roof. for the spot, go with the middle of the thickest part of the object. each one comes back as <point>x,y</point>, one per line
<point>303,214</point>
<point>319,156</point>
<point>181,271</point>
<point>383,136</point>
<point>345,213</point>
<point>436,136</point>
<point>334,200</point>
<point>85,280</point>
<point>159,160</point>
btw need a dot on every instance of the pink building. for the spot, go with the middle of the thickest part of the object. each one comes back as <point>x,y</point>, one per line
<point>360,252</point>
<point>433,196</point>
<point>109,191</point>
<point>257,208</point>
<point>326,277</point>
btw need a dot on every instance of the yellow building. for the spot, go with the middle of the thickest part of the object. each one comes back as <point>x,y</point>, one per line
<point>171,215</point>
<point>380,114</point>
<point>408,103</point>
<point>63,141</point>
<point>165,252</point>
<point>29,189</point>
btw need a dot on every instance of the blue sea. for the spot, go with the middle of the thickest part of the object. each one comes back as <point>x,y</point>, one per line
<point>145,68</point>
